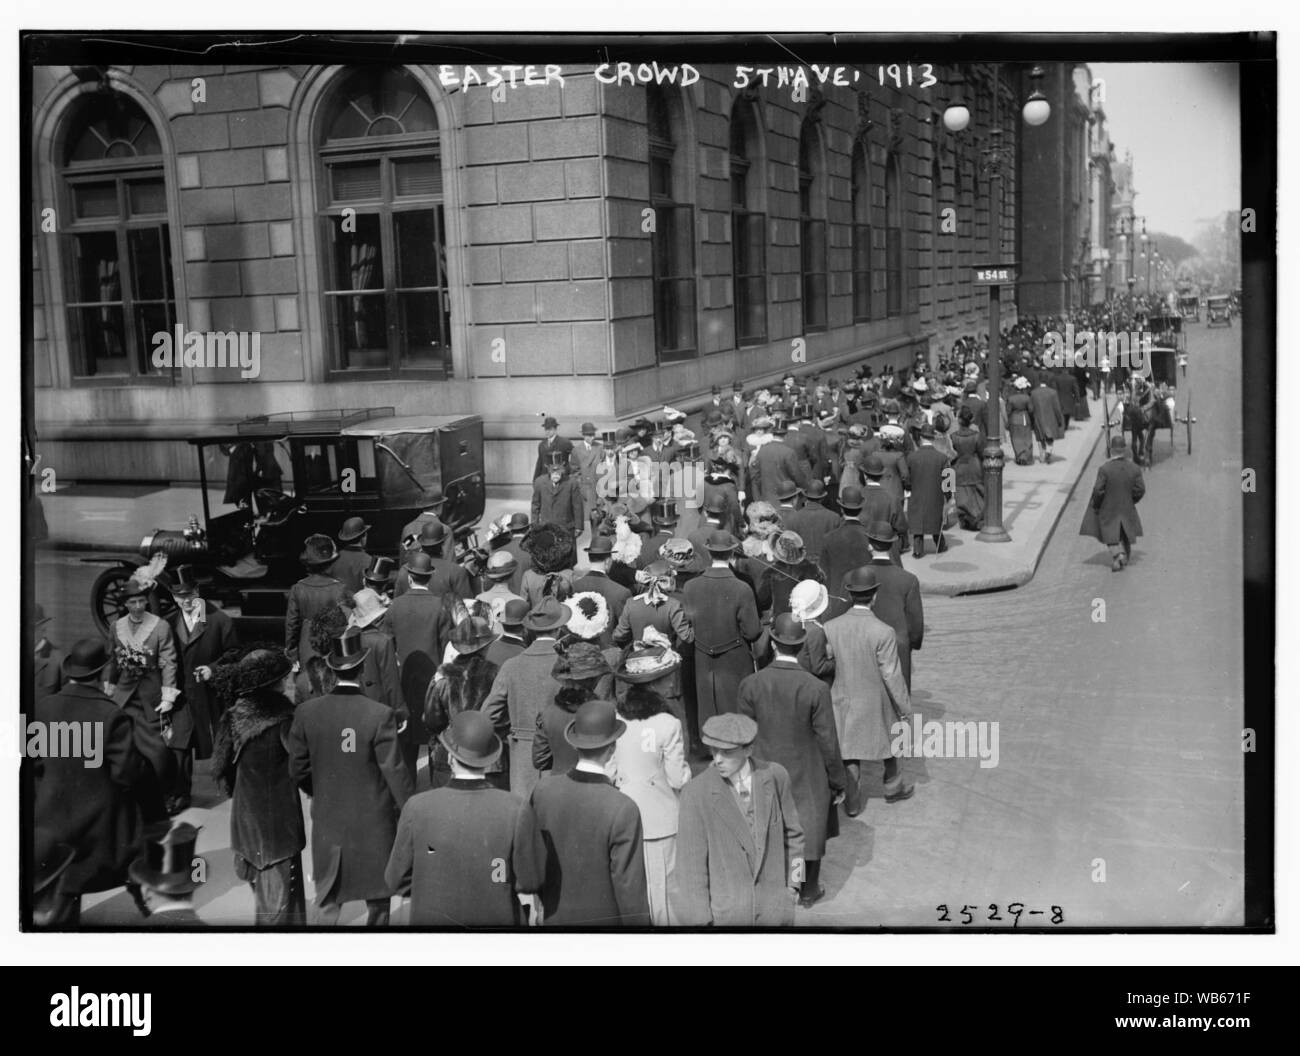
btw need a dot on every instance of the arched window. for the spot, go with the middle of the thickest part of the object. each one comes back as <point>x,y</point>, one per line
<point>861,195</point>
<point>119,284</point>
<point>893,238</point>
<point>673,240</point>
<point>812,228</point>
<point>748,226</point>
<point>387,301</point>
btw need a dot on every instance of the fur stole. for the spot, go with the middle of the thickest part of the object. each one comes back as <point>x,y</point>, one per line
<point>248,718</point>
<point>461,685</point>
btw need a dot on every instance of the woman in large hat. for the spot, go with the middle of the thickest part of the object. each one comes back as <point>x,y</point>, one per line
<point>551,548</point>
<point>967,442</point>
<point>317,590</point>
<point>250,762</point>
<point>790,565</point>
<point>462,684</point>
<point>583,674</point>
<point>1020,422</point>
<point>808,602</point>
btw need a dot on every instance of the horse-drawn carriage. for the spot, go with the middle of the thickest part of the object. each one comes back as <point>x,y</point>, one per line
<point>1152,399</point>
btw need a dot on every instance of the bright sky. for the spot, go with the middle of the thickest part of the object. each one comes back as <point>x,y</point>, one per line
<point>1181,122</point>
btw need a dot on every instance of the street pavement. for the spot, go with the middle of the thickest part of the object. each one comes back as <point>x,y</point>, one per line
<point>1117,794</point>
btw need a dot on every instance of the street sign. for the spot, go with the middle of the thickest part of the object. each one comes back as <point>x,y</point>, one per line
<point>993,274</point>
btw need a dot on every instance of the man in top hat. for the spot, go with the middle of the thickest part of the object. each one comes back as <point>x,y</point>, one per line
<point>898,599</point>
<point>596,577</point>
<point>379,576</point>
<point>595,868</point>
<point>203,635</point>
<point>343,752</point>
<point>168,873</point>
<point>740,839</point>
<point>880,504</point>
<point>523,687</point>
<point>552,448</point>
<point>868,693</point>
<point>518,525</point>
<point>501,567</point>
<point>724,616</point>
<point>421,622</point>
<point>925,468</point>
<point>379,678</point>
<point>796,728</point>
<point>1112,516</point>
<point>448,577</point>
<point>91,808</point>
<point>511,642</point>
<point>432,514</point>
<point>663,516</point>
<point>844,549</point>
<point>587,461</point>
<point>49,657</point>
<point>813,521</point>
<point>557,500</point>
<point>350,567</point>
<point>469,855</point>
<point>315,592</point>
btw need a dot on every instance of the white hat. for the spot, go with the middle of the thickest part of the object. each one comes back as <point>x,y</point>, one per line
<point>808,600</point>
<point>1021,382</point>
<point>367,606</point>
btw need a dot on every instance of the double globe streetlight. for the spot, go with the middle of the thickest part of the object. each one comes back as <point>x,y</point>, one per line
<point>956,119</point>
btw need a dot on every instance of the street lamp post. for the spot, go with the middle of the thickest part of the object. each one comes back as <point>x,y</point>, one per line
<point>956,118</point>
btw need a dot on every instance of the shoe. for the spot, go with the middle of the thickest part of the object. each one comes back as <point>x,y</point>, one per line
<point>904,792</point>
<point>807,901</point>
<point>1117,562</point>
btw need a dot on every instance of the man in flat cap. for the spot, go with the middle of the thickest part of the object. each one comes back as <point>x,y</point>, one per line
<point>468,854</point>
<point>552,448</point>
<point>739,838</point>
<point>595,867</point>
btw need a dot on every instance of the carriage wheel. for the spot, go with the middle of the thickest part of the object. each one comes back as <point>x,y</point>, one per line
<point>1190,420</point>
<point>107,605</point>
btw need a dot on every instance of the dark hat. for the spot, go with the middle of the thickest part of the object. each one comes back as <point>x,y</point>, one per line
<point>787,630</point>
<point>788,548</point>
<point>927,431</point>
<point>512,615</point>
<point>880,532</point>
<point>518,522</point>
<point>347,651</point>
<point>180,581</point>
<point>851,498</point>
<point>353,528</point>
<point>87,657</point>
<point>133,588</point>
<point>432,533</point>
<point>786,489</point>
<point>737,386</point>
<point>729,730</point>
<point>873,466</point>
<point>816,489</point>
<point>720,542</point>
<point>547,615</point>
<point>472,635</point>
<point>168,862</point>
<point>594,726</point>
<point>420,566</point>
<point>381,570</point>
<point>663,513</point>
<point>557,460</point>
<point>716,390</point>
<point>550,423</point>
<point>646,663</point>
<point>588,429</point>
<point>716,503</point>
<point>581,661</point>
<point>501,565</point>
<point>318,550</point>
<point>1117,443</point>
<point>714,417</point>
<point>861,580</point>
<point>471,740</point>
<point>261,668</point>
<point>600,546</point>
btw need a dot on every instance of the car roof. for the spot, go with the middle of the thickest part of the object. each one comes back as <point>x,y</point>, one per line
<point>282,424</point>
<point>408,423</point>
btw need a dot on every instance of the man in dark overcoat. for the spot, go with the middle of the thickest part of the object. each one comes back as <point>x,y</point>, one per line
<point>724,617</point>
<point>595,864</point>
<point>845,549</point>
<point>552,449</point>
<point>774,462</point>
<point>91,809</point>
<point>448,576</point>
<point>881,504</point>
<point>557,500</point>
<point>796,728</point>
<point>1049,420</point>
<point>1067,391</point>
<point>1112,516</point>
<point>898,598</point>
<point>587,462</point>
<point>925,468</point>
<point>468,854</point>
<point>343,752</point>
<point>813,521</point>
<point>595,578</point>
<point>739,836</point>
<point>432,514</point>
<point>314,593</point>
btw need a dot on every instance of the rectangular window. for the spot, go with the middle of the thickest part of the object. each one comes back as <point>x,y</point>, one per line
<point>812,239</point>
<point>861,273</point>
<point>894,271</point>
<point>748,245</point>
<point>673,256</point>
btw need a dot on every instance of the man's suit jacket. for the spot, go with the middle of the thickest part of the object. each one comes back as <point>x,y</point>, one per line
<point>350,568</point>
<point>586,464</point>
<point>89,808</point>
<point>463,852</point>
<point>595,865</point>
<point>925,468</point>
<point>522,688</point>
<point>419,619</point>
<point>868,694</point>
<point>379,676</point>
<point>796,728</point>
<point>1115,495</point>
<point>805,447</point>
<point>558,503</point>
<point>448,578</point>
<point>814,522</point>
<point>1067,390</point>
<point>1049,420</point>
<point>775,462</point>
<point>898,603</point>
<point>726,875</point>
<point>723,613</point>
<point>548,446</point>
<point>194,718</point>
<point>343,752</point>
<point>448,552</point>
<point>312,594</point>
<point>845,549</point>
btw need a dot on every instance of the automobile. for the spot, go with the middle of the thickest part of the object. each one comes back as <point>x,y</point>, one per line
<point>1189,306</point>
<point>370,463</point>
<point>1218,309</point>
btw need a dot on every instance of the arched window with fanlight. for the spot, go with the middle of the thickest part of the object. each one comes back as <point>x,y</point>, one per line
<point>673,238</point>
<point>119,285</point>
<point>812,227</point>
<point>860,192</point>
<point>386,293</point>
<point>748,226</point>
<point>893,238</point>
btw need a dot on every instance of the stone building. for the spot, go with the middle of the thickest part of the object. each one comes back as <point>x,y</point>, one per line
<point>407,236</point>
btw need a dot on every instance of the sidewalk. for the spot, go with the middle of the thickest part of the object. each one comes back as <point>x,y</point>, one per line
<point>110,517</point>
